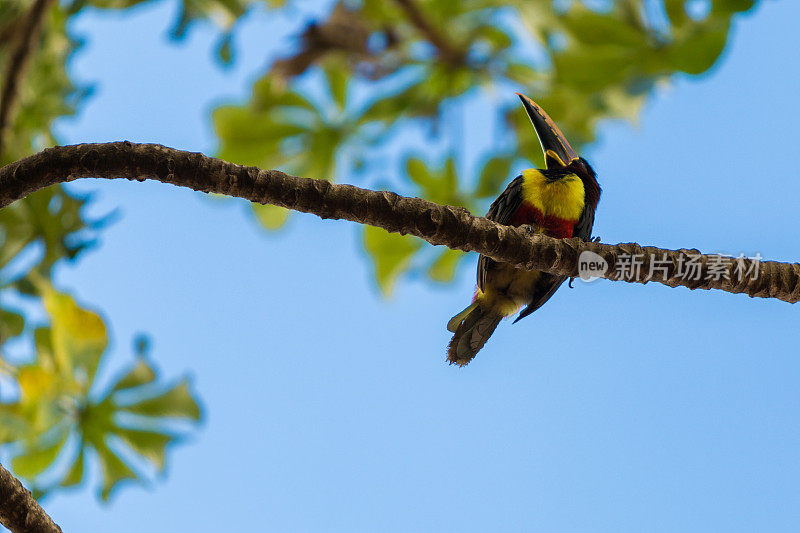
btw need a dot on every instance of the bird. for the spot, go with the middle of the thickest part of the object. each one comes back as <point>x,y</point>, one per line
<point>559,201</point>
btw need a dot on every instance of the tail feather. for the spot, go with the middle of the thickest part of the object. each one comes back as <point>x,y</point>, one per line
<point>471,333</point>
<point>456,321</point>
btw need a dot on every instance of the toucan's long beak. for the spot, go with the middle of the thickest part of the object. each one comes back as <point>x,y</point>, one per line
<point>557,151</point>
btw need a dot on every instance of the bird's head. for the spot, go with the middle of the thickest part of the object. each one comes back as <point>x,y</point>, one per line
<point>558,154</point>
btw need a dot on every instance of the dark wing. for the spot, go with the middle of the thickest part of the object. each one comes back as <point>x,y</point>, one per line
<point>504,207</point>
<point>583,228</point>
<point>592,191</point>
<point>501,211</point>
<point>547,285</point>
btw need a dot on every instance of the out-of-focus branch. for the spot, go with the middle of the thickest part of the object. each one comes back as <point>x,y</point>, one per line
<point>20,56</point>
<point>344,31</point>
<point>451,226</point>
<point>449,53</point>
<point>19,511</point>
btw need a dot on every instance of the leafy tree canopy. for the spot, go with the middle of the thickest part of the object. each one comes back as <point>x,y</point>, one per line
<point>360,74</point>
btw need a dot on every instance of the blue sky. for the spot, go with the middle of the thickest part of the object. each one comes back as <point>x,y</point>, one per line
<point>616,407</point>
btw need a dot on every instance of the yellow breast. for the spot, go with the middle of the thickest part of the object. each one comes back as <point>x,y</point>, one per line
<point>562,199</point>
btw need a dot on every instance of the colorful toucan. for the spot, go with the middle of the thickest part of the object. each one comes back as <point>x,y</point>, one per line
<point>558,201</point>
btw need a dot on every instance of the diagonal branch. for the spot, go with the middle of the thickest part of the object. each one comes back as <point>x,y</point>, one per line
<point>451,226</point>
<point>20,55</point>
<point>19,511</point>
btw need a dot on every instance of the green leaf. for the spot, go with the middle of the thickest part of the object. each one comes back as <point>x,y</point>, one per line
<point>43,341</point>
<point>418,172</point>
<point>177,402</point>
<point>150,444</point>
<point>75,473</point>
<point>594,68</point>
<point>50,217</point>
<point>525,75</point>
<point>698,48</point>
<point>338,79</point>
<point>437,185</point>
<point>676,12</point>
<point>390,253</point>
<point>37,383</point>
<point>728,7</point>
<point>449,182</point>
<point>252,139</point>
<point>280,128</point>
<point>35,460</point>
<point>141,374</point>
<point>12,324</point>
<point>115,470</point>
<point>13,426</point>
<point>79,336</point>
<point>96,420</point>
<point>494,174</point>
<point>270,216</point>
<point>497,38</point>
<point>594,29</point>
<point>444,268</point>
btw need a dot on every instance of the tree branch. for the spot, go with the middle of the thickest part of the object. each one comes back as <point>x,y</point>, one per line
<point>451,226</point>
<point>447,51</point>
<point>19,511</point>
<point>18,61</point>
<point>344,31</point>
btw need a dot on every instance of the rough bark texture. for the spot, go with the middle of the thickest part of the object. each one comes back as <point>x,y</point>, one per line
<point>450,226</point>
<point>18,61</point>
<point>19,511</point>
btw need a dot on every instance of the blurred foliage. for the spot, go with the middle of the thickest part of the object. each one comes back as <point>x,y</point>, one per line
<point>45,92</point>
<point>362,76</point>
<point>52,415</point>
<point>60,414</point>
<point>411,61</point>
<point>393,253</point>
